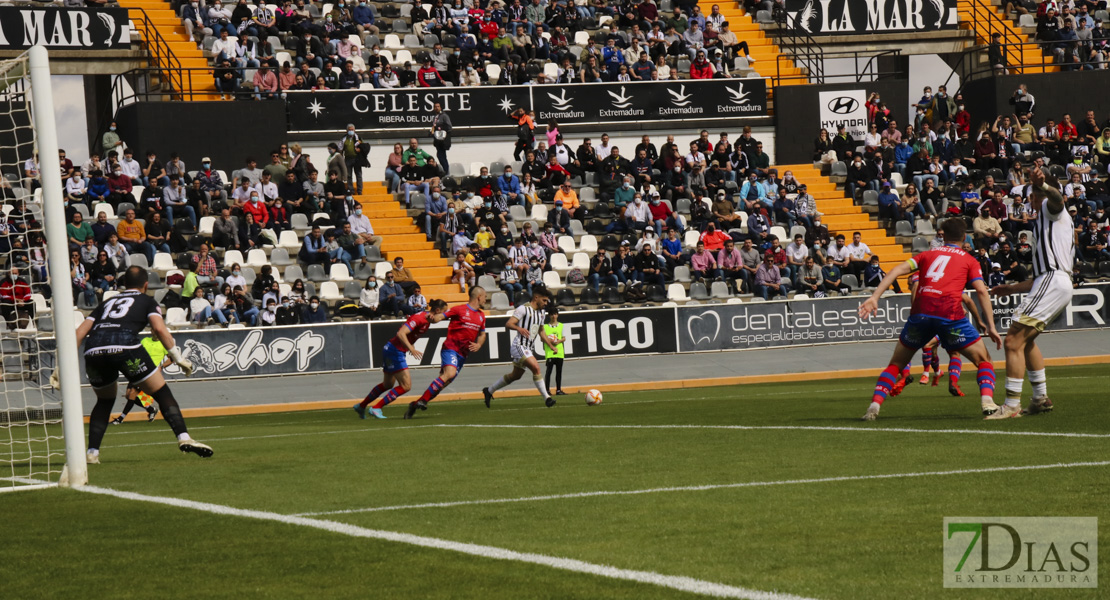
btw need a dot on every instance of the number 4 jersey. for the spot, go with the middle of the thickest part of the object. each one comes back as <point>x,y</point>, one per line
<point>118,321</point>
<point>945,273</point>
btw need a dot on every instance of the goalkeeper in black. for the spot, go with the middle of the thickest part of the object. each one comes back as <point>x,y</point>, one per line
<point>113,346</point>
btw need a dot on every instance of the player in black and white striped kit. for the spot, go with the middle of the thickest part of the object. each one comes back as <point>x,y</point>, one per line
<point>1048,294</point>
<point>527,321</point>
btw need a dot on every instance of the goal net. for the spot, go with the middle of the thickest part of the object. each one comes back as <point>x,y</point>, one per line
<point>32,443</point>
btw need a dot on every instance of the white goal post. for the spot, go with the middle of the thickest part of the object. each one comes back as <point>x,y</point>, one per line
<point>39,426</point>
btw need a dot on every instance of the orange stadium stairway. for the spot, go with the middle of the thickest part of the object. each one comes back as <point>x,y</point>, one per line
<point>841,215</point>
<point>985,17</point>
<point>196,84</point>
<point>401,237</point>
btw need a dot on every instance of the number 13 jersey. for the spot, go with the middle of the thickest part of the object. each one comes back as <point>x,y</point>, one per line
<point>118,321</point>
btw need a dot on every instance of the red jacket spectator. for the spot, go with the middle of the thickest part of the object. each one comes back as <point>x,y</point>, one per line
<point>14,291</point>
<point>659,212</point>
<point>701,69</point>
<point>259,211</point>
<point>120,183</point>
<point>714,240</point>
<point>429,77</point>
<point>1068,127</point>
<point>963,122</point>
<point>489,29</point>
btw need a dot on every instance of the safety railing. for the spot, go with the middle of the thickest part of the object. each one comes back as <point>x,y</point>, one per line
<point>985,22</point>
<point>865,66</point>
<point>798,46</point>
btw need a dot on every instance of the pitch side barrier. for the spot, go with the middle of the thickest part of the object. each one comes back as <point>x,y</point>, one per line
<point>335,347</point>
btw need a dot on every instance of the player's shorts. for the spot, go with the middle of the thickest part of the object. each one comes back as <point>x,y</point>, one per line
<point>393,359</point>
<point>450,358</point>
<point>954,334</point>
<point>1050,295</point>
<point>520,354</point>
<point>104,368</point>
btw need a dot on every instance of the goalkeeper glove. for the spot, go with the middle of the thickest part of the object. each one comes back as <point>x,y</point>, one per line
<point>175,355</point>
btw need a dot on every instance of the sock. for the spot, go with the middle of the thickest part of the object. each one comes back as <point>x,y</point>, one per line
<point>935,363</point>
<point>1013,391</point>
<point>885,384</point>
<point>390,396</point>
<point>1039,382</point>
<point>905,373</point>
<point>927,356</point>
<point>98,421</point>
<point>541,385</point>
<point>955,367</point>
<point>127,408</point>
<point>171,412</point>
<point>181,437</point>
<point>500,383</point>
<point>433,390</point>
<point>374,393</point>
<point>985,377</point>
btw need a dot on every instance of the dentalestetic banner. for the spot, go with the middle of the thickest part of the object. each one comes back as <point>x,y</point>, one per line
<point>863,17</point>
<point>64,28</point>
<point>829,320</point>
<point>589,333</point>
<point>490,106</point>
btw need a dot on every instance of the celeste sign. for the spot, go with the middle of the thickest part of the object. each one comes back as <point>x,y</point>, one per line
<point>490,106</point>
<point>63,28</point>
<point>852,17</point>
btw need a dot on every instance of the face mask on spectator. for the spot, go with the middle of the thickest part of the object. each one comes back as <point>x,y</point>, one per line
<point>358,212</point>
<point>489,203</point>
<point>504,230</point>
<point>206,165</point>
<point>450,211</point>
<point>254,198</point>
<point>469,195</point>
<point>372,284</point>
<point>315,305</point>
<point>237,272</point>
<point>112,128</point>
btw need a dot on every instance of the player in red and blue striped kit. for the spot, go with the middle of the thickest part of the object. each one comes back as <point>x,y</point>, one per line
<point>466,333</point>
<point>937,311</point>
<point>395,366</point>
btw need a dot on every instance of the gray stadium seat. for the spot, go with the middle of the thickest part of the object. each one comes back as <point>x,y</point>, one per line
<point>903,228</point>
<point>279,257</point>
<point>351,290</point>
<point>316,273</point>
<point>293,273</point>
<point>698,291</point>
<point>719,289</point>
<point>499,301</point>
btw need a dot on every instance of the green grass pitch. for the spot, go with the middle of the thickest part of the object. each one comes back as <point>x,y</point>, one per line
<point>849,539</point>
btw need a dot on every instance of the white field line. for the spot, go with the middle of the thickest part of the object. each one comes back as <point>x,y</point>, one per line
<point>685,584</point>
<point>863,429</point>
<point>702,488</point>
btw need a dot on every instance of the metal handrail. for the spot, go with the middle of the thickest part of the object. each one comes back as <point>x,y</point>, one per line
<point>985,22</point>
<point>812,55</point>
<point>969,70</point>
<point>159,49</point>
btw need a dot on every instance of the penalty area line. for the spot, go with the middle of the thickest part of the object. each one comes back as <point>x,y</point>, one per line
<point>862,429</point>
<point>675,582</point>
<point>708,487</point>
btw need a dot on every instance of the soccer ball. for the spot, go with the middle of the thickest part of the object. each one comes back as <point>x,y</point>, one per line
<point>593,397</point>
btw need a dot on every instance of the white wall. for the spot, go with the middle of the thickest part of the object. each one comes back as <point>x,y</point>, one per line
<point>69,115</point>
<point>931,70</point>
<point>489,150</point>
